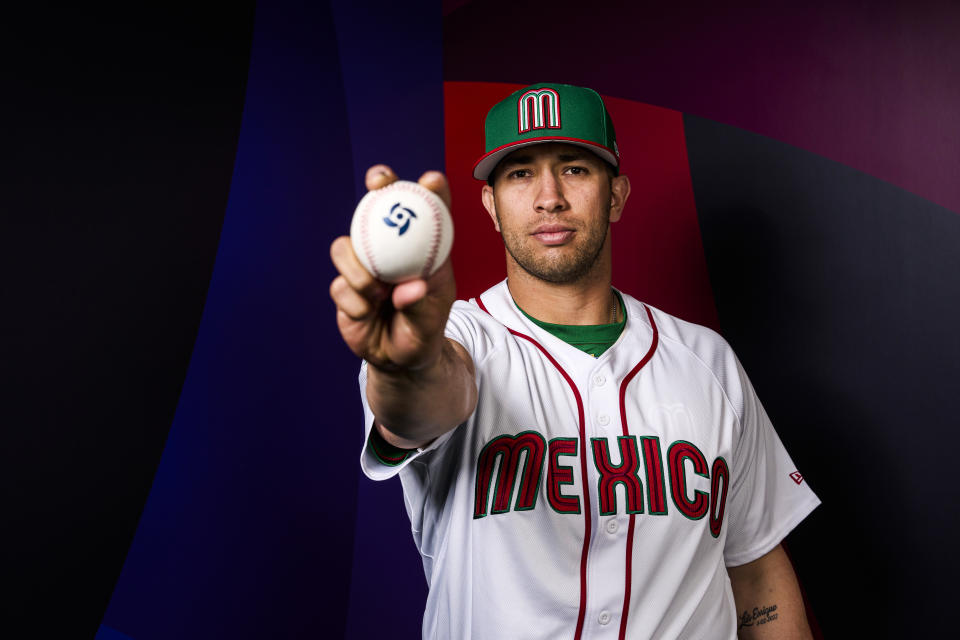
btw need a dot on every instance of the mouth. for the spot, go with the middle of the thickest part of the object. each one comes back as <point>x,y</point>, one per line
<point>553,234</point>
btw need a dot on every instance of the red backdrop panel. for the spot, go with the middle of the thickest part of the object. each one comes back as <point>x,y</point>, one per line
<point>657,252</point>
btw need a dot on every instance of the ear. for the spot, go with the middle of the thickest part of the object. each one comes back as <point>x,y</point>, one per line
<point>619,192</point>
<point>490,205</point>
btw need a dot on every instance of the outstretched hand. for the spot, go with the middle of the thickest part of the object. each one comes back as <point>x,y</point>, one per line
<point>392,327</point>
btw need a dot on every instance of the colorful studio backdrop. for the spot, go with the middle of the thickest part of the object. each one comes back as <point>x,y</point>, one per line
<point>183,422</point>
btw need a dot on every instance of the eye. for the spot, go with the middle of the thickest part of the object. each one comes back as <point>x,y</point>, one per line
<point>577,171</point>
<point>519,173</point>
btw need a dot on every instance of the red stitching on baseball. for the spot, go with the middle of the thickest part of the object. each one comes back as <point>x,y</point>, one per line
<point>365,237</point>
<point>437,235</point>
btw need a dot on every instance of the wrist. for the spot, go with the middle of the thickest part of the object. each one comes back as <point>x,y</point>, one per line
<point>412,369</point>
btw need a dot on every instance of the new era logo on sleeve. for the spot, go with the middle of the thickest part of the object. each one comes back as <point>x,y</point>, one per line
<point>796,477</point>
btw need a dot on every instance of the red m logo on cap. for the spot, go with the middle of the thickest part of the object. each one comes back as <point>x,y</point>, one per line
<point>538,109</point>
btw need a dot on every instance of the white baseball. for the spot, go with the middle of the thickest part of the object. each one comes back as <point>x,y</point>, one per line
<point>401,232</point>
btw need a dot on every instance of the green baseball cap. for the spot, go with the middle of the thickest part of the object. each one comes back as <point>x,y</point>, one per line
<point>547,112</point>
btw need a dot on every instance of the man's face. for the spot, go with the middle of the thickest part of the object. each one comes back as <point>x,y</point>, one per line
<point>553,203</point>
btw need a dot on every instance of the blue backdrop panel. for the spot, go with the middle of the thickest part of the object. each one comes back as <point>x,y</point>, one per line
<point>248,530</point>
<point>392,76</point>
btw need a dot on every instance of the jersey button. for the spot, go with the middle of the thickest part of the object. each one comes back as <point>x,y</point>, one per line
<point>599,380</point>
<point>604,617</point>
<point>603,419</point>
<point>612,526</point>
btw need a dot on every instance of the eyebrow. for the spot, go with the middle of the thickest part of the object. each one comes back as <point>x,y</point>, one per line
<point>518,160</point>
<point>563,157</point>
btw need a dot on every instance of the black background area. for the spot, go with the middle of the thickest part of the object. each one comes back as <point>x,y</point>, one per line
<point>119,132</point>
<point>840,294</point>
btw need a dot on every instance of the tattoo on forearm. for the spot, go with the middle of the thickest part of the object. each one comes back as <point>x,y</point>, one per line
<point>759,615</point>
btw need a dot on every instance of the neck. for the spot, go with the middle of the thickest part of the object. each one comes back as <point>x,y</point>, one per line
<point>587,301</point>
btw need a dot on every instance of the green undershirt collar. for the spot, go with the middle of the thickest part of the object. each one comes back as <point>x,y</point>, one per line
<point>592,339</point>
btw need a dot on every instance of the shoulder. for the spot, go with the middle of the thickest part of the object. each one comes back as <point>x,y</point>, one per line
<point>472,324</point>
<point>701,345</point>
<point>676,332</point>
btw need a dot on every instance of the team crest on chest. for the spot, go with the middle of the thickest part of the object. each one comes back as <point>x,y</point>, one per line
<point>538,109</point>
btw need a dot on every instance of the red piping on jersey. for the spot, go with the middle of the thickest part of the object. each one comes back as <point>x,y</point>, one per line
<point>583,471</point>
<point>626,432</point>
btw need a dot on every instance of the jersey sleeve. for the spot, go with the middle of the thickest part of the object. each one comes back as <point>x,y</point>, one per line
<point>768,495</point>
<point>378,459</point>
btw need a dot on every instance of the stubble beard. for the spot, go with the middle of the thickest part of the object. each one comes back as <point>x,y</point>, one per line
<point>559,269</point>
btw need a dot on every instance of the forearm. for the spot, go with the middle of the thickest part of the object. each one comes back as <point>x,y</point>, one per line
<point>768,599</point>
<point>414,407</point>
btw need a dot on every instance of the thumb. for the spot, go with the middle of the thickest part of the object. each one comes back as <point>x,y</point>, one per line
<point>409,293</point>
<point>429,296</point>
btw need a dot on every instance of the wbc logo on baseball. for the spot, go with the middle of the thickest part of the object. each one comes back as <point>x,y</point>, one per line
<point>399,217</point>
<point>401,231</point>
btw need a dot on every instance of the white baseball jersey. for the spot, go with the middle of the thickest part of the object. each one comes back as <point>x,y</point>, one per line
<point>594,497</point>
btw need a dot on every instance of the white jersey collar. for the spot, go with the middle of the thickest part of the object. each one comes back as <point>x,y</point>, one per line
<point>500,304</point>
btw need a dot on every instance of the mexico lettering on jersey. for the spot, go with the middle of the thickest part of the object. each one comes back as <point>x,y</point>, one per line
<point>594,497</point>
<point>502,477</point>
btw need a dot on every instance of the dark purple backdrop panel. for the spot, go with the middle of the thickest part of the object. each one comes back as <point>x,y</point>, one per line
<point>874,86</point>
<point>248,531</point>
<point>840,294</point>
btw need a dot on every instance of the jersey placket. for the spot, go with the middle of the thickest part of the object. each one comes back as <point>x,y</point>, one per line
<point>605,567</point>
<point>616,472</point>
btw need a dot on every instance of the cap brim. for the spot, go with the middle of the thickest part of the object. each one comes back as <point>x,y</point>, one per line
<point>487,162</point>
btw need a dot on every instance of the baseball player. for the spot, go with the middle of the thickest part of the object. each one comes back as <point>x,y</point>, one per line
<point>575,463</point>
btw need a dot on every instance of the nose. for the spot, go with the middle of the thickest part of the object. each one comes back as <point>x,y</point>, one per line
<point>549,195</point>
